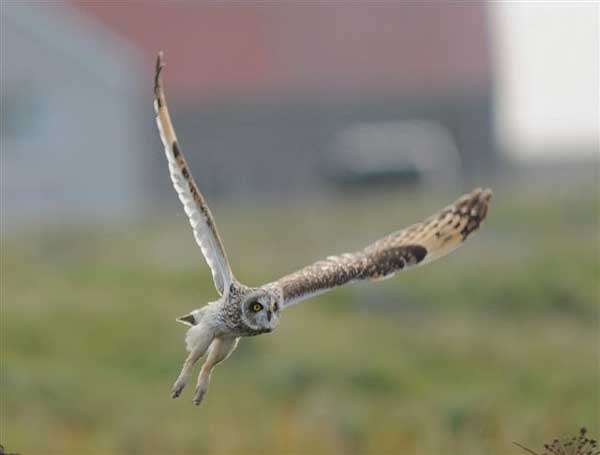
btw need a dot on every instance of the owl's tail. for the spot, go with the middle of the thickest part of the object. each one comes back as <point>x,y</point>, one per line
<point>192,318</point>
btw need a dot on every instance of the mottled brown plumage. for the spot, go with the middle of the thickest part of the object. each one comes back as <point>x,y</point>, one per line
<point>243,311</point>
<point>420,243</point>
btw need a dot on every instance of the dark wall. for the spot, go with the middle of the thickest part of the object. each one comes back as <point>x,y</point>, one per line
<point>283,149</point>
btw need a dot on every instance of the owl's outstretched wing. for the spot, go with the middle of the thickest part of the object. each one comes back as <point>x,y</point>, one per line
<point>203,224</point>
<point>418,244</point>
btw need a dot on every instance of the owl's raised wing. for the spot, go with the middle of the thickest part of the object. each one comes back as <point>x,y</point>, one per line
<point>201,219</point>
<point>418,244</point>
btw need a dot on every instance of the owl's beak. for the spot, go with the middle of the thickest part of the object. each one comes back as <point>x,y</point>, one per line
<point>269,315</point>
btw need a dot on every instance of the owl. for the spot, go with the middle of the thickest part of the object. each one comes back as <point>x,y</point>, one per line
<point>244,311</point>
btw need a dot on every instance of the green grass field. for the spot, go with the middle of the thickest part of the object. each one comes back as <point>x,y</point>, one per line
<point>497,343</point>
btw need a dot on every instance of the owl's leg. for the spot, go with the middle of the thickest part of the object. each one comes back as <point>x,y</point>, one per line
<point>220,349</point>
<point>202,341</point>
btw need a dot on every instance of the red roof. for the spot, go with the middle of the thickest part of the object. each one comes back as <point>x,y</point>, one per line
<point>232,49</point>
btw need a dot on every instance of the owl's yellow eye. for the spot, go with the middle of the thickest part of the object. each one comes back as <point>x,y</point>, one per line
<point>256,307</point>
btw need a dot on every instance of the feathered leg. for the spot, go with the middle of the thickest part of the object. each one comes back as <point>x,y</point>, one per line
<point>220,349</point>
<point>198,339</point>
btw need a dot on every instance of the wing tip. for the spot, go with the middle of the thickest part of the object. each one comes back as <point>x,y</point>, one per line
<point>160,64</point>
<point>474,206</point>
<point>483,199</point>
<point>484,195</point>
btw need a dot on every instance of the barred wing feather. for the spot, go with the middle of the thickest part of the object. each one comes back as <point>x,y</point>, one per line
<point>418,244</point>
<point>200,217</point>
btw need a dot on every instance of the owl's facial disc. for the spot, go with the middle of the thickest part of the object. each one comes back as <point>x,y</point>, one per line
<point>260,311</point>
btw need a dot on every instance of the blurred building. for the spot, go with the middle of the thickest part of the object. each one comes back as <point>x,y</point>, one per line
<point>272,98</point>
<point>73,125</point>
<point>262,96</point>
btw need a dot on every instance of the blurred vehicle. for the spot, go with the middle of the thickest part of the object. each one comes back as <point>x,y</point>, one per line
<point>393,153</point>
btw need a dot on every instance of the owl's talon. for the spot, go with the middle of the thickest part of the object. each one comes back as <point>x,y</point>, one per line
<point>177,389</point>
<point>199,396</point>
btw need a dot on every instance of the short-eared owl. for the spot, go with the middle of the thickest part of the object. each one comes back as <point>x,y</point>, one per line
<point>243,311</point>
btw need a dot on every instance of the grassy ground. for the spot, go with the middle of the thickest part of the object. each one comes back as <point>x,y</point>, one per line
<point>496,343</point>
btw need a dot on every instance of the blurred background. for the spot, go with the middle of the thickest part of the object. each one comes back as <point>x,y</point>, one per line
<point>312,129</point>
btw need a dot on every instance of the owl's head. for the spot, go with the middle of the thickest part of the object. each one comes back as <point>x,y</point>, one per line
<point>261,311</point>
